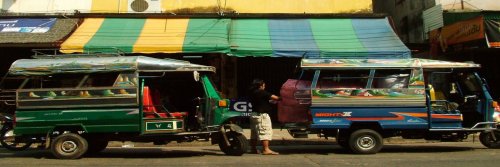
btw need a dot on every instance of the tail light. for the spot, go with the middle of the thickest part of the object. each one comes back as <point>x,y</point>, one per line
<point>222,103</point>
<point>303,96</point>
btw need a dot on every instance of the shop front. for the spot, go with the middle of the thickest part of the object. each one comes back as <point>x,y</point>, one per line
<point>471,36</point>
<point>19,35</point>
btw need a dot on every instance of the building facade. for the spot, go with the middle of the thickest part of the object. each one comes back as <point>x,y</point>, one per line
<point>407,17</point>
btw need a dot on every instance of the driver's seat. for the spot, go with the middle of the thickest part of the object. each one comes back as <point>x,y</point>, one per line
<point>149,109</point>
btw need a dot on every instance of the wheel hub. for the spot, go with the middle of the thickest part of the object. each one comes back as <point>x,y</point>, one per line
<point>366,142</point>
<point>69,146</point>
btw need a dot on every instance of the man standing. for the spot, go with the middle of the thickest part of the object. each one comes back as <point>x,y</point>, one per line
<point>260,121</point>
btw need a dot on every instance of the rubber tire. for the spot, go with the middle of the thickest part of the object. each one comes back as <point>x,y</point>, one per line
<point>80,143</point>
<point>239,144</point>
<point>373,136</point>
<point>96,146</point>
<point>487,141</point>
<point>11,147</point>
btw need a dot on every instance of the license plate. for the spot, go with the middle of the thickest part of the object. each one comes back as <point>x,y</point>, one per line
<point>164,125</point>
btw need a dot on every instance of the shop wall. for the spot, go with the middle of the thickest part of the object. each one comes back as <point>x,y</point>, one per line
<point>46,6</point>
<point>407,17</point>
<point>187,6</point>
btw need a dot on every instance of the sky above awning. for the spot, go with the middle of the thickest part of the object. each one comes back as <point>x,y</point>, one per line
<point>327,38</point>
<point>149,36</point>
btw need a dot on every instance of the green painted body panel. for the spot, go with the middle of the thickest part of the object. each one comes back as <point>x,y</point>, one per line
<point>117,119</point>
<point>91,120</point>
<point>220,114</point>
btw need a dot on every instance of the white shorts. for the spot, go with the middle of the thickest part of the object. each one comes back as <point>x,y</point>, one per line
<point>261,127</point>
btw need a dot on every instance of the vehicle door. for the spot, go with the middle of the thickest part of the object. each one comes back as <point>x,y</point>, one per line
<point>445,101</point>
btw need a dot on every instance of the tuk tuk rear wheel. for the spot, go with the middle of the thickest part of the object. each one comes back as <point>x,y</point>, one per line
<point>238,144</point>
<point>9,141</point>
<point>365,141</point>
<point>487,140</point>
<point>69,146</point>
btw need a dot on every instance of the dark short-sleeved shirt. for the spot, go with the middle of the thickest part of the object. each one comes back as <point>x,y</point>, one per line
<point>260,101</point>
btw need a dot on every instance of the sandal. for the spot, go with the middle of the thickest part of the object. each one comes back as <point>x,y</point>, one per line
<point>271,153</point>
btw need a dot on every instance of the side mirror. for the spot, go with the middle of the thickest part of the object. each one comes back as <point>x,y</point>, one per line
<point>196,76</point>
<point>485,84</point>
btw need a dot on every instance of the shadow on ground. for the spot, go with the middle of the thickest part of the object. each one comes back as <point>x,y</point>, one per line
<point>296,147</point>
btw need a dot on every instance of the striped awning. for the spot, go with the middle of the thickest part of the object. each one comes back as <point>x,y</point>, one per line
<point>338,38</point>
<point>325,38</point>
<point>152,35</point>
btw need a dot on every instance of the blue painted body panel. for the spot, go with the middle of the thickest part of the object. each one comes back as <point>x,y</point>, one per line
<point>388,118</point>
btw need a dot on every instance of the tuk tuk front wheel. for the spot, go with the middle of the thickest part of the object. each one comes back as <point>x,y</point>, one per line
<point>238,144</point>
<point>9,140</point>
<point>487,139</point>
<point>69,146</point>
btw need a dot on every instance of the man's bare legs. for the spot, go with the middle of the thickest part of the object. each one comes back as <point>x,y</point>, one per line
<point>253,144</point>
<point>266,150</point>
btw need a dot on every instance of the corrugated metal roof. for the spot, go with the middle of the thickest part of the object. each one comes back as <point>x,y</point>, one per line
<point>101,64</point>
<point>54,37</point>
<point>433,18</point>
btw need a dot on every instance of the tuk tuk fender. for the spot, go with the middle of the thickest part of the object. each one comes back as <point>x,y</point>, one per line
<point>233,127</point>
<point>222,133</point>
<point>75,128</point>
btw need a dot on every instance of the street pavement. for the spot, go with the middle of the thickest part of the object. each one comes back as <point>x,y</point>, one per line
<point>281,137</point>
<point>313,151</point>
<point>409,155</point>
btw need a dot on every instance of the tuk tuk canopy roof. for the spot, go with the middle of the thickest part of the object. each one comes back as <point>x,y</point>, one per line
<point>382,63</point>
<point>50,66</point>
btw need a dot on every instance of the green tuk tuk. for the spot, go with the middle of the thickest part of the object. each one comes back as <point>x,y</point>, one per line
<point>76,105</point>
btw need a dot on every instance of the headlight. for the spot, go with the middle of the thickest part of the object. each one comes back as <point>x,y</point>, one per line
<point>496,116</point>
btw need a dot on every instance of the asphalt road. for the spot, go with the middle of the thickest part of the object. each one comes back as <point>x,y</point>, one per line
<point>412,154</point>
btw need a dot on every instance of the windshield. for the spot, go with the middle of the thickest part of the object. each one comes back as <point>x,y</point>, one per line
<point>455,84</point>
<point>469,83</point>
